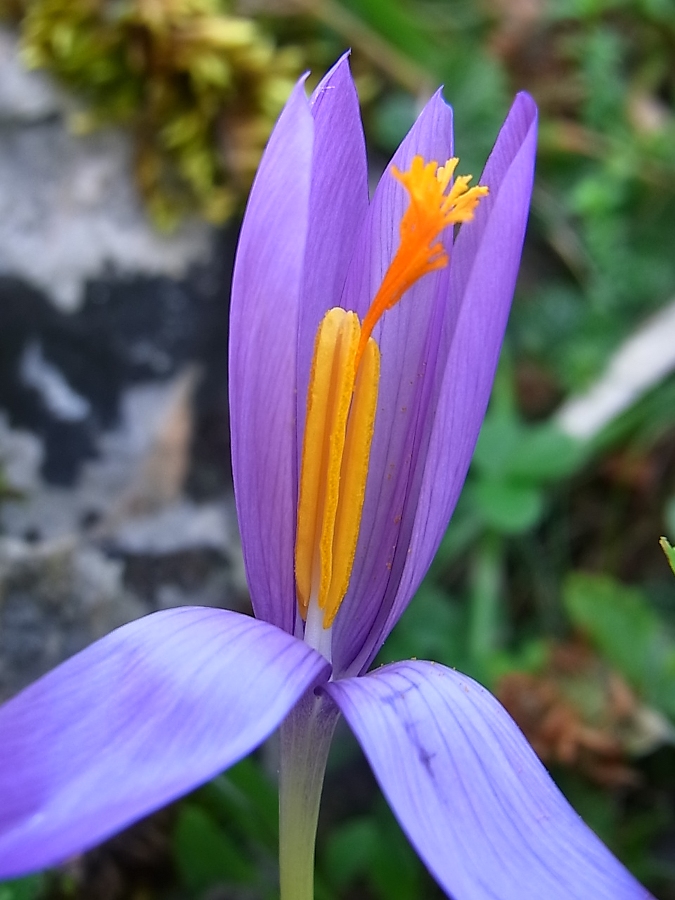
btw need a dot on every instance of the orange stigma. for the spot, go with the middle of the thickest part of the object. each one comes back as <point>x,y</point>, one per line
<point>343,389</point>
<point>431,210</point>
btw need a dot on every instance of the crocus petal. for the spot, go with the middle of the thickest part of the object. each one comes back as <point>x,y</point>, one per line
<point>485,263</point>
<point>266,293</point>
<point>408,335</point>
<point>470,793</point>
<point>337,208</point>
<point>134,721</point>
<point>478,293</point>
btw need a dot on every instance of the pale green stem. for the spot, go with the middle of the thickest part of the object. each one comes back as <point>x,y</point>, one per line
<point>305,740</point>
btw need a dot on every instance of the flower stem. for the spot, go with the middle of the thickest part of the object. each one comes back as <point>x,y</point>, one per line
<point>305,740</point>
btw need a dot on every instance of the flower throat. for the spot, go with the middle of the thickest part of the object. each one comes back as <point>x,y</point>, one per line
<point>343,388</point>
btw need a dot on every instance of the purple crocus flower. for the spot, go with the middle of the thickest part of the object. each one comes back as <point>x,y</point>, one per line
<point>165,703</point>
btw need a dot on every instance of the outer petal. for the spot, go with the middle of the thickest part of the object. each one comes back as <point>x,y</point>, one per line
<point>475,299</point>
<point>136,720</point>
<point>408,338</point>
<point>338,206</point>
<point>470,793</point>
<point>266,292</point>
<point>483,274</point>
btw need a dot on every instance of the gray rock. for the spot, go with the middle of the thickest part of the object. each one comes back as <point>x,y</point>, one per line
<point>24,96</point>
<point>118,482</point>
<point>55,598</point>
<point>120,542</point>
<point>57,395</point>
<point>103,531</point>
<point>182,526</point>
<point>68,206</point>
<point>21,455</point>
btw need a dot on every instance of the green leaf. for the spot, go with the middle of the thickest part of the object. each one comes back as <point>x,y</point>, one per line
<point>243,797</point>
<point>396,871</point>
<point>669,551</point>
<point>544,453</point>
<point>398,24</point>
<point>620,622</point>
<point>670,518</point>
<point>393,117</point>
<point>430,628</point>
<point>497,445</point>
<point>258,792</point>
<point>205,854</point>
<point>465,527</point>
<point>533,453</point>
<point>22,888</point>
<point>374,849</point>
<point>508,507</point>
<point>349,851</point>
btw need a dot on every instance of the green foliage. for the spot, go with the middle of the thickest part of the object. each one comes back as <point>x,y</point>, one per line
<point>628,632</point>
<point>206,854</point>
<point>373,849</point>
<point>606,181</point>
<point>630,840</point>
<point>446,40</point>
<point>23,889</point>
<point>227,832</point>
<point>669,551</point>
<point>434,628</point>
<point>512,464</point>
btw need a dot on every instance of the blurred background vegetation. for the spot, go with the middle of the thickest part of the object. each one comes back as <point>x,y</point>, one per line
<point>551,586</point>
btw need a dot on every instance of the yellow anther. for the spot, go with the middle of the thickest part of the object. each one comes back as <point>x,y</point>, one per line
<point>343,388</point>
<point>336,447</point>
<point>353,478</point>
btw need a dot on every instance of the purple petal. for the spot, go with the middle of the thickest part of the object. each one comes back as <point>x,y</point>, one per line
<point>266,292</point>
<point>137,719</point>
<point>474,300</point>
<point>470,793</point>
<point>483,274</point>
<point>408,338</point>
<point>338,206</point>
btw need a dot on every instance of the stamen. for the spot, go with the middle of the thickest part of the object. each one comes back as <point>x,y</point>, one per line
<point>353,477</point>
<point>343,388</point>
<point>338,432</point>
